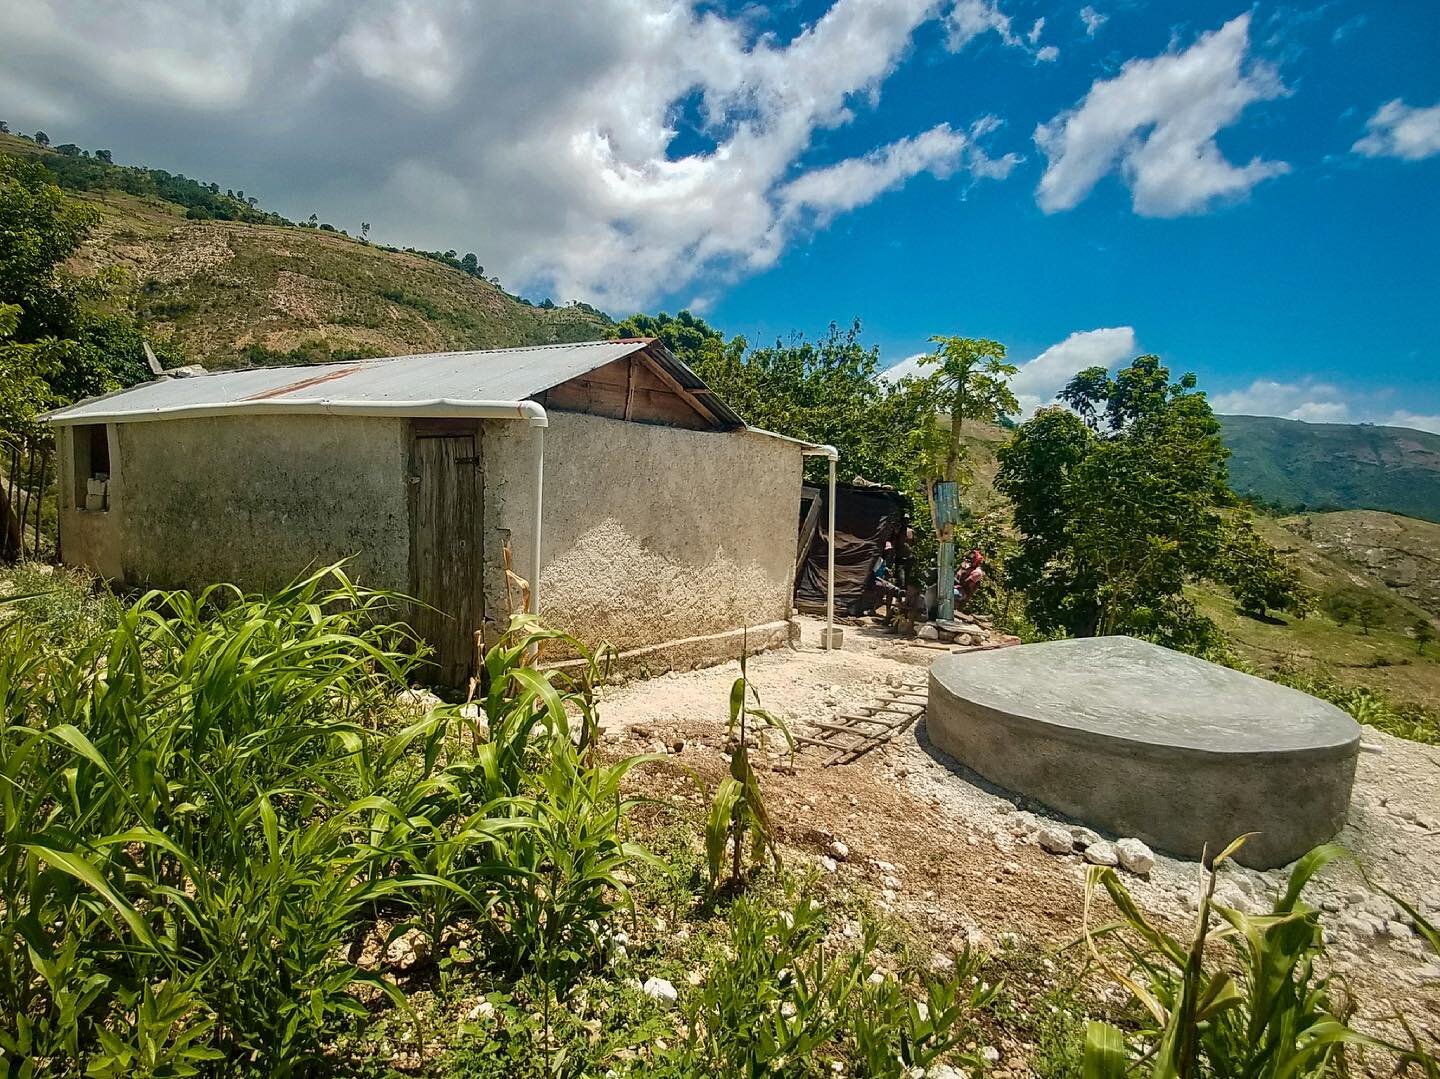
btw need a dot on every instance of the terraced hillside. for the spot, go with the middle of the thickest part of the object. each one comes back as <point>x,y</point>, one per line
<point>232,292</point>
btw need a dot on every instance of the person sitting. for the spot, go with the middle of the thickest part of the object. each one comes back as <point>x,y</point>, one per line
<point>968,577</point>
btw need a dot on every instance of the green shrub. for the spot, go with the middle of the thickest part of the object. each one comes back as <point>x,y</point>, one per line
<point>785,1002</point>
<point>66,607</point>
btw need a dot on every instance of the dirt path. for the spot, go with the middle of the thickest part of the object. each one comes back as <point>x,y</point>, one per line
<point>958,858</point>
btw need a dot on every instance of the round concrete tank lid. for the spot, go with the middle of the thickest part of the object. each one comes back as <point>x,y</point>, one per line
<point>1122,688</point>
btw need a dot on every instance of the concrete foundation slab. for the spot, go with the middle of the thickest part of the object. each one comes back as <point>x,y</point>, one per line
<point>1142,741</point>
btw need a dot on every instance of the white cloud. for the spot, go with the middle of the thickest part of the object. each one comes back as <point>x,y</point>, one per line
<point>1401,130</point>
<point>968,19</point>
<point>1092,19</point>
<point>1156,124</point>
<point>453,124</point>
<point>1040,379</point>
<point>1317,402</point>
<point>1415,420</point>
<point>860,180</point>
<point>907,367</point>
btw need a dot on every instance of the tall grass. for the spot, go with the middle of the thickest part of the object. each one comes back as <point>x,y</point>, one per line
<point>202,817</point>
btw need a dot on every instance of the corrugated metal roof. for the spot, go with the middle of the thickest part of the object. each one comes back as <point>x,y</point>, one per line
<point>509,374</point>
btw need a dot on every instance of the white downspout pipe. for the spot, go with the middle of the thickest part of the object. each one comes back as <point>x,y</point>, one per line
<point>425,408</point>
<point>833,455</point>
<point>537,441</point>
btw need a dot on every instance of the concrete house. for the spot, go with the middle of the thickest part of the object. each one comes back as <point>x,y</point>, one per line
<point>660,523</point>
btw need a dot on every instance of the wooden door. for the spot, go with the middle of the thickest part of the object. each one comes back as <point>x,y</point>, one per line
<point>445,548</point>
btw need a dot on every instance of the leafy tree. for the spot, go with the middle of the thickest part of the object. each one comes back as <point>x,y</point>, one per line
<point>364,230</point>
<point>1424,633</point>
<point>1340,606</point>
<point>688,336</point>
<point>42,139</point>
<point>68,333</point>
<point>974,380</point>
<point>69,149</point>
<point>1368,613</point>
<point>1256,574</point>
<point>105,156</point>
<point>4,128</point>
<point>1117,504</point>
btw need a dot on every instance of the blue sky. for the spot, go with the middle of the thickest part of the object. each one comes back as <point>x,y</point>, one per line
<point>1249,191</point>
<point>1324,280</point>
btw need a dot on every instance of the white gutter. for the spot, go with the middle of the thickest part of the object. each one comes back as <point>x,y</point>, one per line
<point>436,408</point>
<point>834,455</point>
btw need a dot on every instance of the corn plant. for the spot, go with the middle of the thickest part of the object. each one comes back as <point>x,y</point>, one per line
<point>1272,1016</point>
<point>200,818</point>
<point>738,808</point>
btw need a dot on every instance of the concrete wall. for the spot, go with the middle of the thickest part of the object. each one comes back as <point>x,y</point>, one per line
<point>651,533</point>
<point>250,499</point>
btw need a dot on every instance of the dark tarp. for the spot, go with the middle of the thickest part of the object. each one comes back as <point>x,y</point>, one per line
<point>866,518</point>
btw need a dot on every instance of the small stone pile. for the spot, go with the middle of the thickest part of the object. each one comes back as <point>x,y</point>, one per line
<point>1130,855</point>
<point>966,631</point>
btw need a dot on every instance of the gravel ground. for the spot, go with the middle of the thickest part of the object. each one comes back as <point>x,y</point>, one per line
<point>959,858</point>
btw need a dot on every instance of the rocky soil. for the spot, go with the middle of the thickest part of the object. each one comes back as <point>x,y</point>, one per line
<point>962,861</point>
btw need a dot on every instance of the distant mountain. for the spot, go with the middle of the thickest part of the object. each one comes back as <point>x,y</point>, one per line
<point>1330,466</point>
<point>226,283</point>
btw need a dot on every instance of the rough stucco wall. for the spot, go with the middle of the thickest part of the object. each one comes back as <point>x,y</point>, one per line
<point>258,499</point>
<point>651,533</point>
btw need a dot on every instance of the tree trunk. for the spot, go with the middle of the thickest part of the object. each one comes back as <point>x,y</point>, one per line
<point>12,540</point>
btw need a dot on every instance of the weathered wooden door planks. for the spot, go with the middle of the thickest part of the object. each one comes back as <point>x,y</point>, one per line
<point>445,548</point>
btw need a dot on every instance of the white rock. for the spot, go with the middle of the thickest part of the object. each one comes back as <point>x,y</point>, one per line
<point>827,863</point>
<point>892,883</point>
<point>1084,837</point>
<point>1021,823</point>
<point>928,632</point>
<point>989,1054</point>
<point>658,746</point>
<point>483,1010</point>
<point>946,1071</point>
<point>1135,857</point>
<point>941,963</point>
<point>1055,839</point>
<point>1101,853</point>
<point>1380,907</point>
<point>661,990</point>
<point>839,851</point>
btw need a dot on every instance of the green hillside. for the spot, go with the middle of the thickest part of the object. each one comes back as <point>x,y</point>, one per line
<point>1330,466</point>
<point>225,283</point>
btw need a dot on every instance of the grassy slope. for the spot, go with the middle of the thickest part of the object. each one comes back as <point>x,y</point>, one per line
<point>1334,465</point>
<point>215,288</point>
